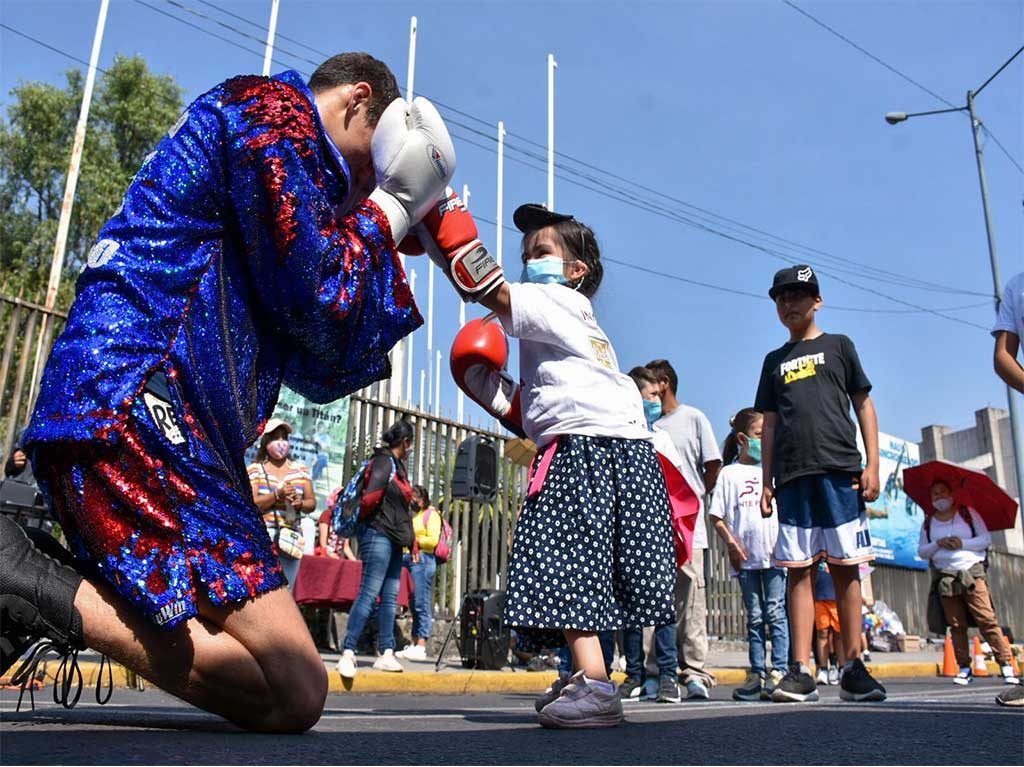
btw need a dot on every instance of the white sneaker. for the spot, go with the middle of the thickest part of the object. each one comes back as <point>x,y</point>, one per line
<point>833,675</point>
<point>822,676</point>
<point>1008,676</point>
<point>387,662</point>
<point>413,652</point>
<point>964,677</point>
<point>347,664</point>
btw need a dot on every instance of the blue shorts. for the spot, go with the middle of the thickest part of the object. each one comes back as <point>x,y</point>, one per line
<point>822,515</point>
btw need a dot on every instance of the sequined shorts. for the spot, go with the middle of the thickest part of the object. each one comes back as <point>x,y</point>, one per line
<point>158,519</point>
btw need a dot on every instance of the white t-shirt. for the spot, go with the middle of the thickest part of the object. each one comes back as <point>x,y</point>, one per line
<point>694,438</point>
<point>1011,308</point>
<point>571,382</point>
<point>737,500</point>
<point>974,546</point>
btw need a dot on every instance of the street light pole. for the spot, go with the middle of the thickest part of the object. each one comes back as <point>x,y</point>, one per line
<point>997,287</point>
<point>894,118</point>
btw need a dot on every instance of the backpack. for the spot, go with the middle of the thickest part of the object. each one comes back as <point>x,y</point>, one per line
<point>443,550</point>
<point>345,503</point>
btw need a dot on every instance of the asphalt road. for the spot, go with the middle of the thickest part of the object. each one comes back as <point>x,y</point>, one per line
<point>923,722</point>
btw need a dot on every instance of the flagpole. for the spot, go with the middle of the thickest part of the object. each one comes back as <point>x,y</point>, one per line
<point>551,130</point>
<point>268,56</point>
<point>64,224</point>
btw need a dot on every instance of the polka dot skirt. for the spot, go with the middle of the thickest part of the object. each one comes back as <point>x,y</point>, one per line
<point>592,549</point>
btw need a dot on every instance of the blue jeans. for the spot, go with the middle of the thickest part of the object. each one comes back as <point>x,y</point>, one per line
<point>382,573</point>
<point>423,593</point>
<point>664,649</point>
<point>764,596</point>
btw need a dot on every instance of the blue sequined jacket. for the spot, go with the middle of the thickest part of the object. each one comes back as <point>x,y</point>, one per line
<point>227,269</point>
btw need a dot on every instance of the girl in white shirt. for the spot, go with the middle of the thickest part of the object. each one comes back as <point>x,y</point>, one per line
<point>954,539</point>
<point>593,548</point>
<point>750,538</point>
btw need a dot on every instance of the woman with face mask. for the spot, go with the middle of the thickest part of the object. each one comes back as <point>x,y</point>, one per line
<point>385,530</point>
<point>955,541</point>
<point>750,540</point>
<point>283,491</point>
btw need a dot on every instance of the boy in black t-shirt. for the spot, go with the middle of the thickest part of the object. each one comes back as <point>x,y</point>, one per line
<point>813,470</point>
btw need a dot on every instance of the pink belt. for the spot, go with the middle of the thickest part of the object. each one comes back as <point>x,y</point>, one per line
<point>545,457</point>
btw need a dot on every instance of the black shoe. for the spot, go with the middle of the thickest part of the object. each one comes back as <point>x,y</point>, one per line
<point>797,686</point>
<point>632,689</point>
<point>668,689</point>
<point>37,595</point>
<point>858,685</point>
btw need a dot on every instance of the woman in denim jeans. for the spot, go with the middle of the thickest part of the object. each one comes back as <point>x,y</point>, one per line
<point>750,538</point>
<point>385,529</point>
<point>427,524</point>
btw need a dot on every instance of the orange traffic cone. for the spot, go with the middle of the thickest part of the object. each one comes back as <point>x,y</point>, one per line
<point>1014,664</point>
<point>949,667</point>
<point>978,666</point>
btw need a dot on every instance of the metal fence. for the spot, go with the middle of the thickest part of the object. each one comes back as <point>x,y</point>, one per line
<point>22,363</point>
<point>906,592</point>
<point>483,531</point>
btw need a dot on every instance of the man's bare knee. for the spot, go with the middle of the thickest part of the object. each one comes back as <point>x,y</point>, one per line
<point>298,700</point>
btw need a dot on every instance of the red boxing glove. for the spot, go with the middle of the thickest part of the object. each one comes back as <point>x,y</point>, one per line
<point>478,358</point>
<point>448,234</point>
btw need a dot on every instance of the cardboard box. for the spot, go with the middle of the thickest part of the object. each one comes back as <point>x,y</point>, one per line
<point>908,643</point>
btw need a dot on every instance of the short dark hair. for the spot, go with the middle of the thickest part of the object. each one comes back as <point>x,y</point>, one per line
<point>664,371</point>
<point>641,375</point>
<point>350,68</point>
<point>579,241</point>
<point>397,433</point>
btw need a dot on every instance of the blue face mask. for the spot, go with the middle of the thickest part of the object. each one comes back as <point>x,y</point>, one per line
<point>652,411</point>
<point>545,271</point>
<point>754,448</point>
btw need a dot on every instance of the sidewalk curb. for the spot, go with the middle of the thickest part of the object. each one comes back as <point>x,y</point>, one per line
<point>461,682</point>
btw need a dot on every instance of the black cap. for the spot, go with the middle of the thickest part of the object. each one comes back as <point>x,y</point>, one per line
<point>799,276</point>
<point>533,216</point>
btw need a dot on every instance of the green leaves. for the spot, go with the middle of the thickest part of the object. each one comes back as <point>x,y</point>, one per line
<point>132,109</point>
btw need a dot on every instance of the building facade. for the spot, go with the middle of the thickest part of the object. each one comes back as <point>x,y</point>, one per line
<point>987,446</point>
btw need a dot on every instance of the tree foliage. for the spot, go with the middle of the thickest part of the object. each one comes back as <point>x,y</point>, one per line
<point>132,108</point>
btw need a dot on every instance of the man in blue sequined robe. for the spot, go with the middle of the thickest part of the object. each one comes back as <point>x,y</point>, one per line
<point>248,252</point>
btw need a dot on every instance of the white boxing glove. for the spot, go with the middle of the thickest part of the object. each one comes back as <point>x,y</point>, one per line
<point>413,159</point>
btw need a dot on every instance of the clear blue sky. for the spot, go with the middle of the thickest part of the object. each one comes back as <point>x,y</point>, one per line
<point>749,110</point>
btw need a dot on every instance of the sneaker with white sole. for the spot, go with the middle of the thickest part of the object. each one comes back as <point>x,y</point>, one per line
<point>347,664</point>
<point>1008,676</point>
<point>857,684</point>
<point>387,661</point>
<point>822,676</point>
<point>631,690</point>
<point>771,681</point>
<point>751,689</point>
<point>668,689</point>
<point>797,686</point>
<point>965,677</point>
<point>833,675</point>
<point>413,652</point>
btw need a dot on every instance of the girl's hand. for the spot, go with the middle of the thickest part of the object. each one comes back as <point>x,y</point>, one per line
<point>953,543</point>
<point>766,500</point>
<point>737,555</point>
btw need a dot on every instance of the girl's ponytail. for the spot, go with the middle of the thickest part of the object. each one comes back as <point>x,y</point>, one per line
<point>739,423</point>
